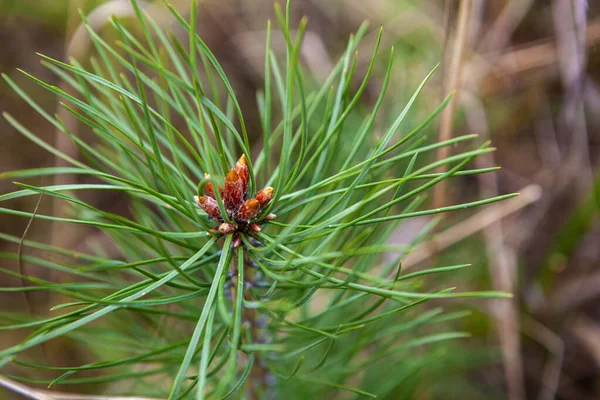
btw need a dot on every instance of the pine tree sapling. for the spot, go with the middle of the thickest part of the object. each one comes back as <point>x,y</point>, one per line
<point>237,271</point>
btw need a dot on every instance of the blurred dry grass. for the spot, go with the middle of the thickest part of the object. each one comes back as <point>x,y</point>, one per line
<point>528,78</point>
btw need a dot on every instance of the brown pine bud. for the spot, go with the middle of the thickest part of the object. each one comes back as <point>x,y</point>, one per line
<point>248,210</point>
<point>209,205</point>
<point>233,193</point>
<point>241,168</point>
<point>264,196</point>
<point>237,240</point>
<point>255,227</point>
<point>210,191</point>
<point>226,228</point>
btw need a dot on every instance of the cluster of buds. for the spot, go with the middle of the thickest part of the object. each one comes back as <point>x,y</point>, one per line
<point>240,211</point>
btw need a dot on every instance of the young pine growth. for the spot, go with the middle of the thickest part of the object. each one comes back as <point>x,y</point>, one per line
<point>241,213</point>
<point>212,296</point>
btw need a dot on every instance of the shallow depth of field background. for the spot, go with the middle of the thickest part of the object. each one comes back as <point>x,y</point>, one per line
<point>530,83</point>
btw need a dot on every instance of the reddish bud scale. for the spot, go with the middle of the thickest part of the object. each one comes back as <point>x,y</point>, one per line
<point>241,169</point>
<point>233,192</point>
<point>248,210</point>
<point>255,227</point>
<point>264,196</point>
<point>270,217</point>
<point>237,240</point>
<point>210,191</point>
<point>226,228</point>
<point>209,205</point>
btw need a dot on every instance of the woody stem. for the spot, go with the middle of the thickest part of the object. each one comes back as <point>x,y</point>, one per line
<point>256,383</point>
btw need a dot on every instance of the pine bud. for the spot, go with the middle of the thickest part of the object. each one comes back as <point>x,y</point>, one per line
<point>233,192</point>
<point>255,227</point>
<point>241,169</point>
<point>226,228</point>
<point>270,216</point>
<point>248,210</point>
<point>210,191</point>
<point>264,196</point>
<point>237,240</point>
<point>209,205</point>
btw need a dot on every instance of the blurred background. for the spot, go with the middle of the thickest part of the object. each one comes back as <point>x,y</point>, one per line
<point>527,77</point>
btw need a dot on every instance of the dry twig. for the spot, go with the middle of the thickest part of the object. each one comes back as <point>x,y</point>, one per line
<point>38,394</point>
